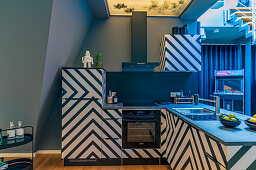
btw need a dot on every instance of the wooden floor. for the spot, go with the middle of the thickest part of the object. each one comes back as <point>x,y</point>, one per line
<point>54,162</point>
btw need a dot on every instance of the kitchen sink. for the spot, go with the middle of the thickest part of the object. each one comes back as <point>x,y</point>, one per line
<point>197,113</point>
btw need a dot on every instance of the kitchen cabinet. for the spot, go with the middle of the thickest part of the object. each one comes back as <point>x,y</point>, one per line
<point>112,134</point>
<point>81,129</point>
<point>190,148</point>
<point>180,53</point>
<point>163,133</point>
<point>83,93</point>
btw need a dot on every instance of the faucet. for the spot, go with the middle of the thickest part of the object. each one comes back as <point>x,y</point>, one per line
<point>216,101</point>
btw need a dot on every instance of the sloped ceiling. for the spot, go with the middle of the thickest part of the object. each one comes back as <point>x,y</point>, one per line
<point>99,8</point>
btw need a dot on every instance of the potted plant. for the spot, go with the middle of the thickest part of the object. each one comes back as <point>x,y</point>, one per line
<point>99,60</point>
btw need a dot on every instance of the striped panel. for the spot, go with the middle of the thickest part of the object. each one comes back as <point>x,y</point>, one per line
<point>111,148</point>
<point>162,54</point>
<point>81,129</point>
<point>163,133</point>
<point>82,83</point>
<point>241,157</point>
<point>182,53</point>
<point>112,114</point>
<point>141,153</point>
<point>189,148</point>
<point>112,128</point>
<point>111,133</point>
<point>104,90</point>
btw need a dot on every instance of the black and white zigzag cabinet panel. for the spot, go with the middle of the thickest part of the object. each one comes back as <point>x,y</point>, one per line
<point>241,157</point>
<point>163,133</point>
<point>81,129</point>
<point>78,83</point>
<point>141,153</point>
<point>180,53</point>
<point>111,133</point>
<point>189,148</point>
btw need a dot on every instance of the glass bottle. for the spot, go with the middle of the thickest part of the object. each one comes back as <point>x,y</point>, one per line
<point>20,131</point>
<point>110,98</point>
<point>11,132</point>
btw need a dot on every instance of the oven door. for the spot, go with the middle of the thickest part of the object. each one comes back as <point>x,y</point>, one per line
<point>141,133</point>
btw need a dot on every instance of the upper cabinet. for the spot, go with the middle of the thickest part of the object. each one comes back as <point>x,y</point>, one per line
<point>81,83</point>
<point>180,53</point>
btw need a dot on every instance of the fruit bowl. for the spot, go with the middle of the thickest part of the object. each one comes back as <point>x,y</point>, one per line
<point>251,125</point>
<point>229,123</point>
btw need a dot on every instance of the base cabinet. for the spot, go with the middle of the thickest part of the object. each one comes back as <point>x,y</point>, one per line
<point>190,148</point>
<point>111,134</point>
<point>81,129</point>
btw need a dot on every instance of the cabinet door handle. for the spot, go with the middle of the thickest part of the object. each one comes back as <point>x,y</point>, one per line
<point>111,138</point>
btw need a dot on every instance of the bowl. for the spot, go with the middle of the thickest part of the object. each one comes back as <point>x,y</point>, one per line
<point>250,124</point>
<point>229,123</point>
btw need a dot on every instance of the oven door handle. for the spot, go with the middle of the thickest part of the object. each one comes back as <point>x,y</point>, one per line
<point>134,120</point>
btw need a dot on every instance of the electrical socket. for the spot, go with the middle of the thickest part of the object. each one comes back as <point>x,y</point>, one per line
<point>173,94</point>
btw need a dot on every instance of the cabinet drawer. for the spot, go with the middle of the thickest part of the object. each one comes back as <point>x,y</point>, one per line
<point>141,153</point>
<point>111,148</point>
<point>111,114</point>
<point>111,128</point>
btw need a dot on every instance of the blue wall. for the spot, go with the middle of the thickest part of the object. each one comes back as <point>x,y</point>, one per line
<point>150,86</point>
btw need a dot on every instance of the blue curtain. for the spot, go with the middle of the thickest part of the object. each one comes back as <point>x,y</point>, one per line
<point>218,57</point>
<point>224,57</point>
<point>253,80</point>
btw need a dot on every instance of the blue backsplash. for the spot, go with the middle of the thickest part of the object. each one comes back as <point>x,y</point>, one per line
<point>150,86</point>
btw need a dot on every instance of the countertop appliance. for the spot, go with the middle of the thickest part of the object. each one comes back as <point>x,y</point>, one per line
<point>141,128</point>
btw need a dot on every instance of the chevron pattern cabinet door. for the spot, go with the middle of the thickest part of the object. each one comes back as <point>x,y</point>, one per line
<point>83,83</point>
<point>111,128</point>
<point>189,148</point>
<point>112,114</point>
<point>180,53</point>
<point>111,133</point>
<point>241,157</point>
<point>111,148</point>
<point>81,129</point>
<point>163,133</point>
<point>141,153</point>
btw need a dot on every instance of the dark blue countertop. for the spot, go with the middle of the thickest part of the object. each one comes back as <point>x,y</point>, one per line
<point>121,106</point>
<point>241,135</point>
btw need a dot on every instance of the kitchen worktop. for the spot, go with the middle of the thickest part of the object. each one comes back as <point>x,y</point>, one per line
<point>121,106</point>
<point>228,136</point>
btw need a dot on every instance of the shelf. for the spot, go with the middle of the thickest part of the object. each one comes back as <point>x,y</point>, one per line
<point>21,164</point>
<point>6,144</point>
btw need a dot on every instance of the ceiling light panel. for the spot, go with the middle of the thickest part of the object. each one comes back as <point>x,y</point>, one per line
<point>153,7</point>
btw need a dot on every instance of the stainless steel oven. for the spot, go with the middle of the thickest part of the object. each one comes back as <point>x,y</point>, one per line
<point>141,128</point>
